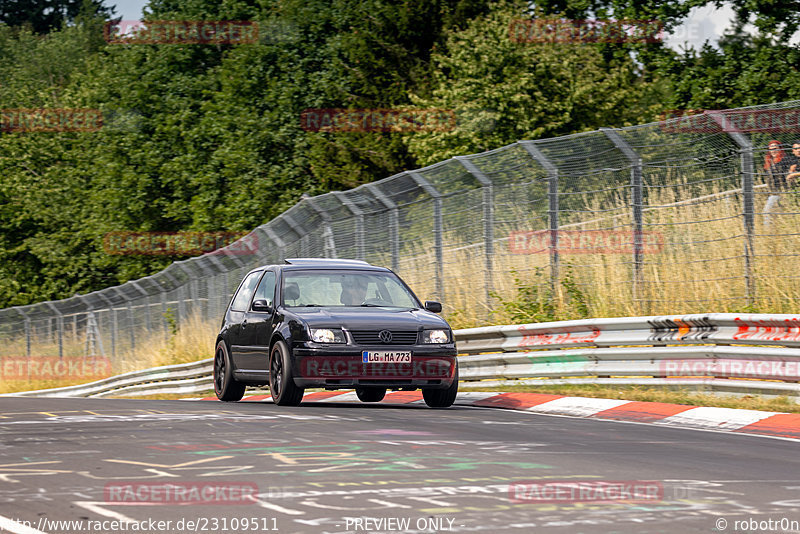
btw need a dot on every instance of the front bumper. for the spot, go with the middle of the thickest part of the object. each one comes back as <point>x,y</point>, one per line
<point>334,367</point>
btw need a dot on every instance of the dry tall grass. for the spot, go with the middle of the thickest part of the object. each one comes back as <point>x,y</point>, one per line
<point>193,340</point>
<point>700,269</point>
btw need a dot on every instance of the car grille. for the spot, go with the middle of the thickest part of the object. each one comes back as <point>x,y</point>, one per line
<point>371,337</point>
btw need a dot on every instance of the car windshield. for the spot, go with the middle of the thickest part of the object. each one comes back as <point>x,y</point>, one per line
<point>345,288</point>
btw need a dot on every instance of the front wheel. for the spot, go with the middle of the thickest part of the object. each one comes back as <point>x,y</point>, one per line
<point>281,384</point>
<point>442,398</point>
<point>226,388</point>
<point>370,394</point>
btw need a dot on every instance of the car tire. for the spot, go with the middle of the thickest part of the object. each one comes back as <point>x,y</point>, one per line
<point>281,383</point>
<point>225,386</point>
<point>370,394</point>
<point>442,398</point>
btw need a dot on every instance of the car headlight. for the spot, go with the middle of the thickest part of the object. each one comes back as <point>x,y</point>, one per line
<point>435,336</point>
<point>327,335</point>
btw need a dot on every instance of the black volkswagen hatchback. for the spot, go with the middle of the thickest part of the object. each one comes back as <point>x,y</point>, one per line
<point>333,324</point>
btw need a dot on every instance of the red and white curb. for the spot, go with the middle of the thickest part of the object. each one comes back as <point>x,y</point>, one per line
<point>777,424</point>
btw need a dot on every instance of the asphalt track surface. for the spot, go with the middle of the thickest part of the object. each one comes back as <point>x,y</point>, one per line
<point>344,467</point>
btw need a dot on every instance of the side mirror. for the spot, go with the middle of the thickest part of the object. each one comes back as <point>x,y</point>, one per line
<point>261,305</point>
<point>433,306</point>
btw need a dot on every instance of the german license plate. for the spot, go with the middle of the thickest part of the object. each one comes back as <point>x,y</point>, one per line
<point>385,356</point>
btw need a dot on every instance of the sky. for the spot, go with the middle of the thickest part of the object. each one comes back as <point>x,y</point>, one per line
<point>706,23</point>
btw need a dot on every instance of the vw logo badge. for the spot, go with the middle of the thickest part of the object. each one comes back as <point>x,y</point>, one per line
<point>385,336</point>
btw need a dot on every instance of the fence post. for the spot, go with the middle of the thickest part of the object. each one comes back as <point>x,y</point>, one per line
<point>131,321</point>
<point>295,227</point>
<point>146,297</point>
<point>164,314</point>
<point>113,324</point>
<point>748,204</point>
<point>223,298</point>
<point>394,223</point>
<point>488,225</point>
<point>328,242</point>
<point>636,206</point>
<point>552,208</point>
<point>27,338</point>
<point>438,230</point>
<point>359,215</point>
<point>278,243</point>
<point>59,328</point>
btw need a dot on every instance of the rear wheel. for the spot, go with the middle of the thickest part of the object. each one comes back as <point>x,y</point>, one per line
<point>226,388</point>
<point>370,394</point>
<point>442,398</point>
<point>281,384</point>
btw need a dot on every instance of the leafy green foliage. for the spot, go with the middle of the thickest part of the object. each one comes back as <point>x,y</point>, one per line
<point>208,137</point>
<point>535,301</point>
<point>526,90</point>
<point>43,17</point>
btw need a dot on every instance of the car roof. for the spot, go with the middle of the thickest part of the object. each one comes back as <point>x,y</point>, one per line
<point>323,263</point>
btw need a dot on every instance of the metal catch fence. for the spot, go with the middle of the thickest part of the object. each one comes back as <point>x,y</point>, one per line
<point>663,218</point>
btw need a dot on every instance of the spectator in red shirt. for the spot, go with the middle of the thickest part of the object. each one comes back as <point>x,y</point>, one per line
<point>777,167</point>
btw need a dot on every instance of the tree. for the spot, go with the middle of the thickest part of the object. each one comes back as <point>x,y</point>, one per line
<point>505,91</point>
<point>44,16</point>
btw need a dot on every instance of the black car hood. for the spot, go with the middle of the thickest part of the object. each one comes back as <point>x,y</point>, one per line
<point>369,318</point>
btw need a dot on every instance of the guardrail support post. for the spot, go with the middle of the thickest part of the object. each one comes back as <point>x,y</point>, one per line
<point>488,225</point>
<point>394,223</point>
<point>552,208</point>
<point>438,229</point>
<point>748,205</point>
<point>636,206</point>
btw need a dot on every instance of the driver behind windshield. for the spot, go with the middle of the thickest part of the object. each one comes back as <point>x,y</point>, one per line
<point>354,290</point>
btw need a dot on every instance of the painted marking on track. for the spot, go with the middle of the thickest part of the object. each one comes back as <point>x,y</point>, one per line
<point>9,470</point>
<point>17,528</point>
<point>165,466</point>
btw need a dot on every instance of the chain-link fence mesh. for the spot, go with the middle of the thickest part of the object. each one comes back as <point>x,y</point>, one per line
<point>662,218</point>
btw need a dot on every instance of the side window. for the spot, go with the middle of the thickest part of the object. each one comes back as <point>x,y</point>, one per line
<point>266,289</point>
<point>242,298</point>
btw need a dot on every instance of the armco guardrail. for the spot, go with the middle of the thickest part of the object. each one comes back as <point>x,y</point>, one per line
<point>728,352</point>
<point>753,353</point>
<point>182,378</point>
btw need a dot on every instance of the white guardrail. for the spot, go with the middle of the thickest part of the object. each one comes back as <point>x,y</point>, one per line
<point>736,353</point>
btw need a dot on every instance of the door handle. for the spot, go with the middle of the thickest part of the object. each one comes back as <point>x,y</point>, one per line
<point>244,323</point>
